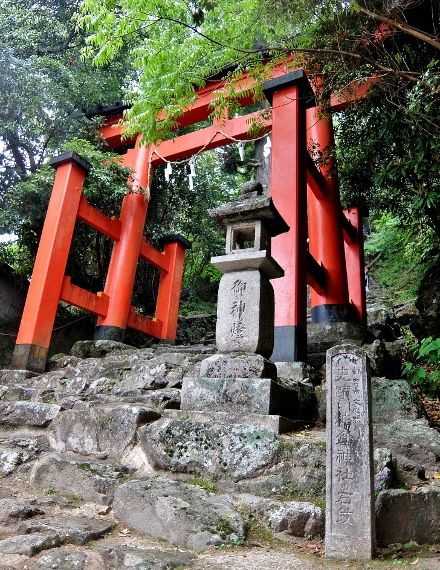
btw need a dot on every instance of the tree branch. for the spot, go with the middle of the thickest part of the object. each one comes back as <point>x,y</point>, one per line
<point>403,26</point>
<point>412,76</point>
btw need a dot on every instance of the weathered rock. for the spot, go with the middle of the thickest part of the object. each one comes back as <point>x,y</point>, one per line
<point>30,440</point>
<point>109,429</point>
<point>13,511</point>
<point>302,401</point>
<point>242,395</point>
<point>91,481</point>
<point>385,466</point>
<point>10,459</point>
<point>413,439</point>
<point>196,328</point>
<point>237,366</point>
<point>29,545</point>
<point>381,361</point>
<point>16,392</point>
<point>10,377</point>
<point>297,518</point>
<point>428,305</point>
<point>307,465</point>
<point>77,530</point>
<point>236,451</point>
<point>27,413</point>
<point>322,336</point>
<point>97,348</point>
<point>402,516</point>
<point>406,313</point>
<point>119,557</point>
<point>155,373</point>
<point>183,514</point>
<point>393,400</point>
<point>64,559</point>
<point>292,372</point>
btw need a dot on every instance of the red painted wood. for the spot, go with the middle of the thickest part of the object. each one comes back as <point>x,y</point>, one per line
<point>143,324</point>
<point>153,256</point>
<point>210,137</point>
<point>168,298</point>
<point>288,191</point>
<point>94,303</point>
<point>123,263</point>
<point>50,263</point>
<point>324,211</point>
<point>354,255</point>
<point>110,227</point>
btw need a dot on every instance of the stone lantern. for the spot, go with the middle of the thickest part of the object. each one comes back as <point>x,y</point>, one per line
<point>245,307</point>
<point>239,381</point>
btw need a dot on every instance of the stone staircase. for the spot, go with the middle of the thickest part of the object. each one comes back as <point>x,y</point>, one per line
<point>102,470</point>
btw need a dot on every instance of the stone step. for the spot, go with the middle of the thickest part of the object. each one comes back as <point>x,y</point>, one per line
<point>185,515</point>
<point>275,423</point>
<point>24,413</point>
<point>249,396</point>
<point>88,480</point>
<point>108,429</point>
<point>191,444</point>
<point>11,459</point>
<point>70,529</point>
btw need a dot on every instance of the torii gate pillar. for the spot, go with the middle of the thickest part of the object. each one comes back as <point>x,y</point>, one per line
<point>289,96</point>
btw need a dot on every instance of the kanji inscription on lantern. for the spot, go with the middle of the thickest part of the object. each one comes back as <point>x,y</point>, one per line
<point>349,512</point>
<point>238,308</point>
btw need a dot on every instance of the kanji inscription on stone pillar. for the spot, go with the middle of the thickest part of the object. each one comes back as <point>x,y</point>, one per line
<point>349,491</point>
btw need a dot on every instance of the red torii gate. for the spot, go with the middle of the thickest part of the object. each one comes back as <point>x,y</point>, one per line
<point>335,238</point>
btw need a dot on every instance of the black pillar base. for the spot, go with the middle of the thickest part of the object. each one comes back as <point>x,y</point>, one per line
<point>29,357</point>
<point>333,314</point>
<point>109,333</point>
<point>290,344</point>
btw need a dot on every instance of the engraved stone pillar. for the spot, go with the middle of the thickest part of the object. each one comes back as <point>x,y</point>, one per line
<point>350,531</point>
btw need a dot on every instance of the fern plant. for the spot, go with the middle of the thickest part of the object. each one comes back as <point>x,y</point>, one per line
<point>424,370</point>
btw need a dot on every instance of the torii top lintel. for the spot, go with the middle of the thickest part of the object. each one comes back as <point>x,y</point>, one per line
<point>238,127</point>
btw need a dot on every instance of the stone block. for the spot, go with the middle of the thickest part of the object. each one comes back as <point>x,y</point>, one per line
<point>239,395</point>
<point>29,544</point>
<point>183,514</point>
<point>35,414</point>
<point>245,313</point>
<point>394,400</point>
<point>66,559</point>
<point>249,260</point>
<point>237,366</point>
<point>121,556</point>
<point>13,511</point>
<point>233,451</point>
<point>277,424</point>
<point>322,336</point>
<point>295,518</point>
<point>297,372</point>
<point>91,481</point>
<point>10,459</point>
<point>415,440</point>
<point>403,515</point>
<point>110,429</point>
<point>76,530</point>
<point>98,348</point>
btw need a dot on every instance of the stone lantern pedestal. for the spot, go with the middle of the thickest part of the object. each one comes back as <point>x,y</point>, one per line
<point>240,379</point>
